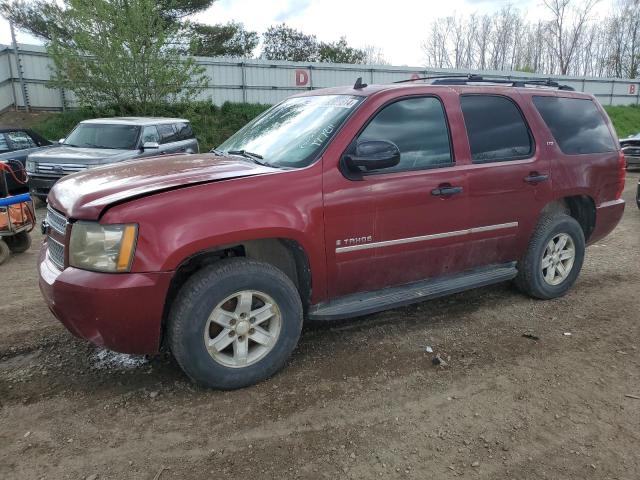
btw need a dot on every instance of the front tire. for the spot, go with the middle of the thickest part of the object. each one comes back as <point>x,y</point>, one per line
<point>5,252</point>
<point>235,323</point>
<point>554,258</point>
<point>19,243</point>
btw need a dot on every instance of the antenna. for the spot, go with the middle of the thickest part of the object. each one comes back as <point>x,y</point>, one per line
<point>359,85</point>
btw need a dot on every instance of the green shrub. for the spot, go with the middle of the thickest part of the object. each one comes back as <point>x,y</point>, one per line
<point>211,124</point>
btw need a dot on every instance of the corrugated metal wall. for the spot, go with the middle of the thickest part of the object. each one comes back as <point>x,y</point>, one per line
<point>262,81</point>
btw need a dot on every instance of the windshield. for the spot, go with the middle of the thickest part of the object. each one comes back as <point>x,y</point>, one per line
<point>293,132</point>
<point>94,135</point>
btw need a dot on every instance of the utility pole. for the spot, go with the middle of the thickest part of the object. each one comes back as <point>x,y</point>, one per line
<point>23,86</point>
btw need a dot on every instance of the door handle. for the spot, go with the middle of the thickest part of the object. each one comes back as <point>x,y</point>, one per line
<point>535,177</point>
<point>446,191</point>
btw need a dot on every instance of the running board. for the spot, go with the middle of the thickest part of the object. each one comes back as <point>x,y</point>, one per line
<point>358,304</point>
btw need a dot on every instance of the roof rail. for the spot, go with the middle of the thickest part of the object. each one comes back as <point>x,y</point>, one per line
<point>473,79</point>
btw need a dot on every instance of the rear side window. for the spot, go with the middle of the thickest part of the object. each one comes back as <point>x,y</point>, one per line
<point>418,127</point>
<point>167,133</point>
<point>150,135</point>
<point>576,124</point>
<point>20,140</point>
<point>184,131</point>
<point>496,129</point>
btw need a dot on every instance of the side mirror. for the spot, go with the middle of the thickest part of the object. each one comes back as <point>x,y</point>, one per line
<point>374,155</point>
<point>150,145</point>
<point>61,141</point>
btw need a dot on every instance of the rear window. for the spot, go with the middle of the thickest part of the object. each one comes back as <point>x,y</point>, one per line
<point>576,124</point>
<point>496,130</point>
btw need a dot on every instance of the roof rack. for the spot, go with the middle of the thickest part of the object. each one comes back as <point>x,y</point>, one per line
<point>474,79</point>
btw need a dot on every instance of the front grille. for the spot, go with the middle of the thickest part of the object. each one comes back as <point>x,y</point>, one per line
<point>56,252</point>
<point>56,220</point>
<point>59,168</point>
<point>632,151</point>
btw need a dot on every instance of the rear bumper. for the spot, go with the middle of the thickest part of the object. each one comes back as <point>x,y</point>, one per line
<point>608,215</point>
<point>121,312</point>
<point>40,186</point>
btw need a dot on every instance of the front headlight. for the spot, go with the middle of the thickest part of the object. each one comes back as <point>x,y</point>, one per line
<point>102,248</point>
<point>30,166</point>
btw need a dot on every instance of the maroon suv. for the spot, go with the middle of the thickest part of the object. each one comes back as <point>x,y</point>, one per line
<point>332,204</point>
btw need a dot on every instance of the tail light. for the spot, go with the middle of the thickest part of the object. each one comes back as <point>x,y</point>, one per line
<point>622,172</point>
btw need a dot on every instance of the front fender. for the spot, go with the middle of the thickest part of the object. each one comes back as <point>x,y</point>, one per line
<point>178,224</point>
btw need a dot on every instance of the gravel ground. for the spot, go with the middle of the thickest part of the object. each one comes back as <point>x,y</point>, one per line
<point>359,398</point>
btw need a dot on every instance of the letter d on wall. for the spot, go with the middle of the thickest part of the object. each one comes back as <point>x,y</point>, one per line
<point>302,78</point>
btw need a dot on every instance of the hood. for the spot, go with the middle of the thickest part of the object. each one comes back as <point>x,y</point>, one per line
<point>18,154</point>
<point>84,156</point>
<point>86,194</point>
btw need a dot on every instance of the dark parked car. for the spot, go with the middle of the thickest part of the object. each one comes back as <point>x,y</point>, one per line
<point>334,203</point>
<point>104,141</point>
<point>631,149</point>
<point>16,144</point>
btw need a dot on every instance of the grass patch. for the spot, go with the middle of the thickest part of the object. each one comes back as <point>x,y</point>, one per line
<point>211,124</point>
<point>626,120</point>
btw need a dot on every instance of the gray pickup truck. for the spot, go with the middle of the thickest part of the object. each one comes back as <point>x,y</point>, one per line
<point>104,141</point>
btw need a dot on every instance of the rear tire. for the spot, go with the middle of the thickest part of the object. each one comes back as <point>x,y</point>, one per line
<point>554,258</point>
<point>19,243</point>
<point>235,323</point>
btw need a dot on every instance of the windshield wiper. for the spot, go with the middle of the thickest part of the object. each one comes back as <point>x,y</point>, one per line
<point>256,158</point>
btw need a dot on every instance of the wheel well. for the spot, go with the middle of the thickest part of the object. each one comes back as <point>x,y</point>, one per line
<point>580,207</point>
<point>284,254</point>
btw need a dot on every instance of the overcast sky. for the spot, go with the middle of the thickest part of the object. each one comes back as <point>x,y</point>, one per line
<point>398,27</point>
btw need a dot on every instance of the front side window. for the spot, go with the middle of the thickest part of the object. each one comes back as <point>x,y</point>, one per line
<point>292,133</point>
<point>576,124</point>
<point>418,127</point>
<point>103,135</point>
<point>496,129</point>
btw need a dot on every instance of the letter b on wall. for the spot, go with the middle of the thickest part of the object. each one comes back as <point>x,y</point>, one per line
<point>302,78</point>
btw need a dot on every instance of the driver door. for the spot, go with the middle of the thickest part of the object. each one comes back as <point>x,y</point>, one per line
<point>400,224</point>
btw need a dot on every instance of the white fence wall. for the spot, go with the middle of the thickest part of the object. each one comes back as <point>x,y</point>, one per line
<point>263,81</point>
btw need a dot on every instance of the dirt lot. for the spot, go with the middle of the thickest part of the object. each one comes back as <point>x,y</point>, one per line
<point>359,399</point>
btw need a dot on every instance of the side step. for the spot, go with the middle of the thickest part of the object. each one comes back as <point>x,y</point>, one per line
<point>365,303</point>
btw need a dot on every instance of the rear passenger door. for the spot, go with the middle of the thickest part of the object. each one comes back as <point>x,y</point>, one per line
<point>509,178</point>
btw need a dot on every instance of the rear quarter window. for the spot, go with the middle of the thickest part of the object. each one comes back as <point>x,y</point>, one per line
<point>577,124</point>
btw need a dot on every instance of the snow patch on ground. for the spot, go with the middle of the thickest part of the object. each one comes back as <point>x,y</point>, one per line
<point>106,359</point>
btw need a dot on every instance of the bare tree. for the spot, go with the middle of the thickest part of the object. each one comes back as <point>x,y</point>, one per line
<point>374,56</point>
<point>566,28</point>
<point>567,42</point>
